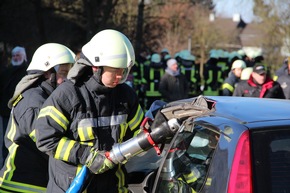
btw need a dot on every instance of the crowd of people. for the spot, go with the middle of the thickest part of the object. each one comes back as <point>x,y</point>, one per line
<point>60,111</point>
<point>160,76</point>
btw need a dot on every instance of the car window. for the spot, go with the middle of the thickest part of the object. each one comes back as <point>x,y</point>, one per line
<point>185,168</point>
<point>271,158</point>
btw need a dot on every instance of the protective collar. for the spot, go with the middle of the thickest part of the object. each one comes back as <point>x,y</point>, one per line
<point>25,83</point>
<point>81,70</point>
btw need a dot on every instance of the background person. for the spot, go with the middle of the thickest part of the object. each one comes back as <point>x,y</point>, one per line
<point>173,84</point>
<point>284,78</point>
<point>283,70</point>
<point>259,85</point>
<point>26,168</point>
<point>230,82</point>
<point>85,116</point>
<point>9,78</point>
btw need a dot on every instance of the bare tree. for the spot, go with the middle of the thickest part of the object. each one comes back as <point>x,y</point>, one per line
<point>274,22</point>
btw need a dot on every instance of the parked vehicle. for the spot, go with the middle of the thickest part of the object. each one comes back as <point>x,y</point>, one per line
<point>237,145</point>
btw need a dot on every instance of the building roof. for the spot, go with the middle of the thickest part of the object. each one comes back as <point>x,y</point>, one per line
<point>250,36</point>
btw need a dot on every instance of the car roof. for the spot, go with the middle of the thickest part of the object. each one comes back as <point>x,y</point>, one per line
<point>249,109</point>
<point>245,109</point>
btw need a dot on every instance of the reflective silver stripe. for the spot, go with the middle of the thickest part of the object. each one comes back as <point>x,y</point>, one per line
<point>62,54</point>
<point>103,121</point>
<point>21,187</point>
<point>112,57</point>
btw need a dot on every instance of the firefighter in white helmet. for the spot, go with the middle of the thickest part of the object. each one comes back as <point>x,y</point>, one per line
<point>85,116</point>
<point>26,168</point>
<point>230,82</point>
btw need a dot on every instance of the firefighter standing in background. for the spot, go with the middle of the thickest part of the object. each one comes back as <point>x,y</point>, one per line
<point>190,70</point>
<point>26,168</point>
<point>229,85</point>
<point>153,72</point>
<point>85,116</point>
<point>142,60</point>
<point>212,76</point>
<point>165,56</point>
<point>223,58</point>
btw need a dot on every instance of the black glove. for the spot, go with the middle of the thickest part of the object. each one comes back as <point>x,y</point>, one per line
<point>98,162</point>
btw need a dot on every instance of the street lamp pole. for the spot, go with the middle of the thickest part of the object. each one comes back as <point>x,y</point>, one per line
<point>139,31</point>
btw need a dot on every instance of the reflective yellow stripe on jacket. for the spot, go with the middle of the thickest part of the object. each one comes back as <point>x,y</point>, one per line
<point>6,182</point>
<point>121,180</point>
<point>63,149</point>
<point>153,92</point>
<point>20,187</point>
<point>12,151</point>
<point>228,86</point>
<point>136,121</point>
<point>57,116</point>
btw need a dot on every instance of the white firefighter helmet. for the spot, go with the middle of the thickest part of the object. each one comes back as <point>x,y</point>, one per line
<point>186,55</point>
<point>155,58</point>
<point>238,64</point>
<point>110,48</point>
<point>246,73</point>
<point>50,55</point>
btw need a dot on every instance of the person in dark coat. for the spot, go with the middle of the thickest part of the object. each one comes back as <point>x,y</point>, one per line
<point>284,78</point>
<point>173,84</point>
<point>260,84</point>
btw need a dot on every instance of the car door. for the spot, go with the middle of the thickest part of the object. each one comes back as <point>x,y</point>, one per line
<point>185,166</point>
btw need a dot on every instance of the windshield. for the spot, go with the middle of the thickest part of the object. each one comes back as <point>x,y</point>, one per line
<point>185,167</point>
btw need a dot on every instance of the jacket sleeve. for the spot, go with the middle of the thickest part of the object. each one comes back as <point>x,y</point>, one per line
<point>51,128</point>
<point>135,116</point>
<point>279,91</point>
<point>238,90</point>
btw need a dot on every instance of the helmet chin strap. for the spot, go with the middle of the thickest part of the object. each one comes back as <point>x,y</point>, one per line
<point>52,80</point>
<point>98,74</point>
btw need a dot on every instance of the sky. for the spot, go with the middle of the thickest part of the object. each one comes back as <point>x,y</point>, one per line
<point>227,8</point>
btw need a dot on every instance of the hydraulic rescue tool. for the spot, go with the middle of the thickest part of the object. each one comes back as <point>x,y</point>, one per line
<point>159,126</point>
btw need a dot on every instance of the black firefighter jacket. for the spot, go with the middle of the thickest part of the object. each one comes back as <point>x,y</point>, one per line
<point>76,118</point>
<point>25,168</point>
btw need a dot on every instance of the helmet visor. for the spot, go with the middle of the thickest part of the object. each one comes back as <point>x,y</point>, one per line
<point>126,72</point>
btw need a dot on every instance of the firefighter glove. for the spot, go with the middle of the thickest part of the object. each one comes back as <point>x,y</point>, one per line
<point>98,162</point>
